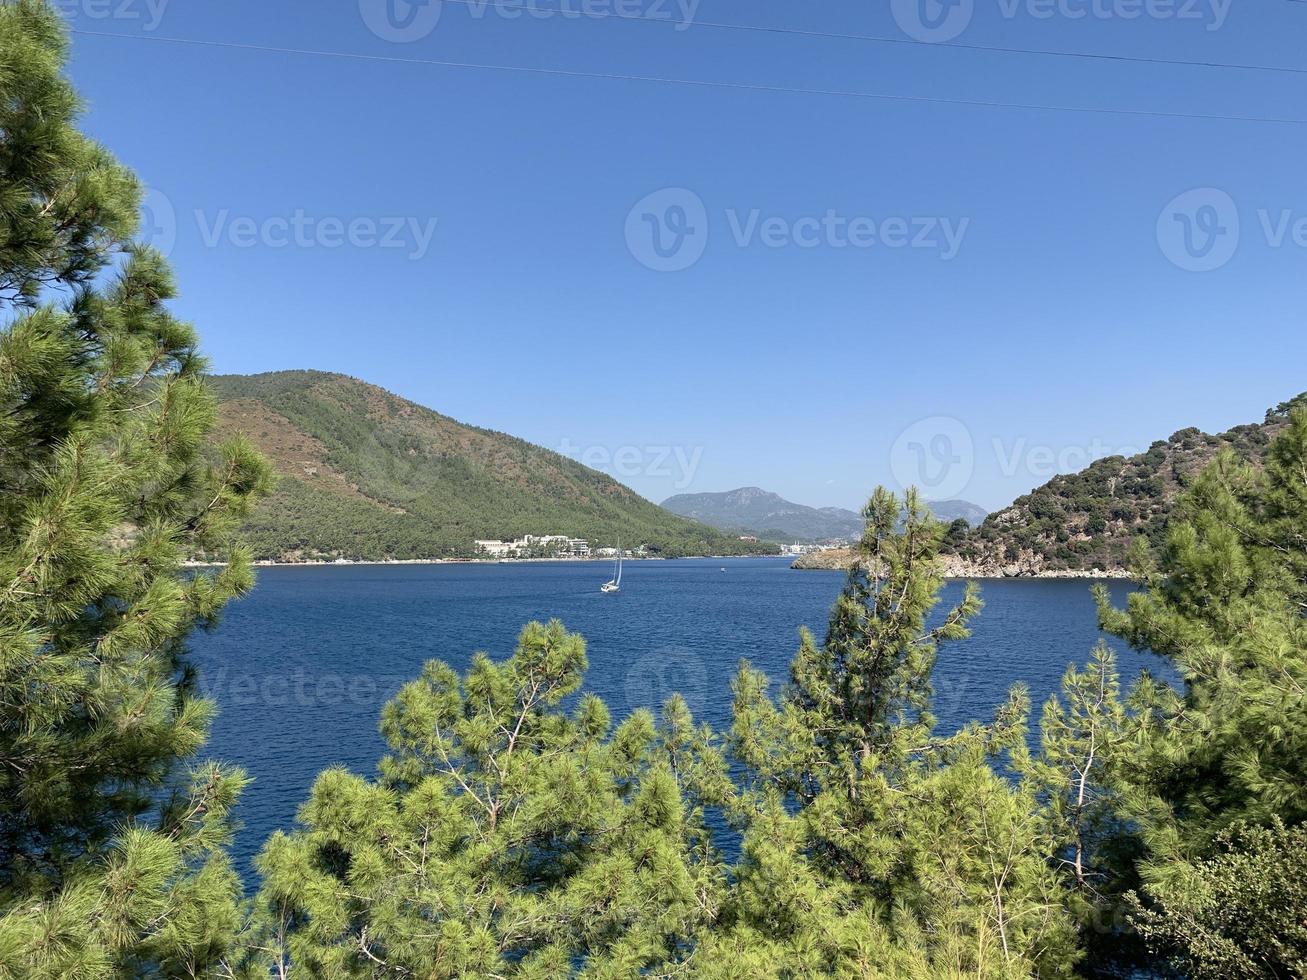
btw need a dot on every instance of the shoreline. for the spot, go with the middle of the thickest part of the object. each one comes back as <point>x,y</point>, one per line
<point>951,574</point>
<point>350,562</point>
<point>954,567</point>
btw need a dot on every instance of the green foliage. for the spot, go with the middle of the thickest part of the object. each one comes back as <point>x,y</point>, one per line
<point>106,485</point>
<point>416,484</point>
<point>1225,605</point>
<point>513,830</point>
<point>872,847</point>
<point>1158,800</point>
<point>505,837</point>
<point>512,833</point>
<point>65,203</point>
<point>1240,912</point>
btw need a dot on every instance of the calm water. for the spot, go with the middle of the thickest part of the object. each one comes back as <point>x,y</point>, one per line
<point>301,668</point>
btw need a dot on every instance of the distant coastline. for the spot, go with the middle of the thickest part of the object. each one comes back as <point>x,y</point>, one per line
<point>342,562</point>
<point>834,559</point>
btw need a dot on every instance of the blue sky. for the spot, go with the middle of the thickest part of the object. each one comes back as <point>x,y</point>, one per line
<point>843,291</point>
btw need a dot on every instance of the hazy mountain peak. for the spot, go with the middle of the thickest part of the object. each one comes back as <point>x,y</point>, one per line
<point>752,510</point>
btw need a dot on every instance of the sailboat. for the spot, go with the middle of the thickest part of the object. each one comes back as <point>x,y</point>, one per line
<point>615,583</point>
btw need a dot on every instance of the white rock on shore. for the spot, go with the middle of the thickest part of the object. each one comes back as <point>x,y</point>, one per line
<point>1027,566</point>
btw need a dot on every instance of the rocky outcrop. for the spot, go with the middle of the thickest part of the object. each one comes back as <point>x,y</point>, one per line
<point>1078,523</point>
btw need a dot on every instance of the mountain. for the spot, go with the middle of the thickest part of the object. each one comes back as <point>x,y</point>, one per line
<point>1088,520</point>
<point>366,474</point>
<point>752,510</point>
<point>950,510</point>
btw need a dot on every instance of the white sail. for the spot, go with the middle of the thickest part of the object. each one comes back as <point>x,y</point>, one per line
<point>615,583</point>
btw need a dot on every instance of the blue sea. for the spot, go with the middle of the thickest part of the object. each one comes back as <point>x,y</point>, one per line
<point>301,668</point>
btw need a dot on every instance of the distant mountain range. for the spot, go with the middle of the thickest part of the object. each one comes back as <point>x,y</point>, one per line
<point>766,515</point>
<point>366,474</point>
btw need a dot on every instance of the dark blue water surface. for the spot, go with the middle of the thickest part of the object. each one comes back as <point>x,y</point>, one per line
<point>301,668</point>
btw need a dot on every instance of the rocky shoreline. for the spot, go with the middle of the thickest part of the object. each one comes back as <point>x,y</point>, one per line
<point>842,559</point>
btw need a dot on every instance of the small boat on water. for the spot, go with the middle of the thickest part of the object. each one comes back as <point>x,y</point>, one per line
<point>615,583</point>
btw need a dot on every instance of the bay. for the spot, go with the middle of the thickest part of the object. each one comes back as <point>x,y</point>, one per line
<point>301,668</point>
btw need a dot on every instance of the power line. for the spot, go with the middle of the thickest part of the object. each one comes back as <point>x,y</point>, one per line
<point>889,39</point>
<point>699,83</point>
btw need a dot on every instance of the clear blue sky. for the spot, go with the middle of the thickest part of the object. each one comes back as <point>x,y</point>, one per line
<point>1064,323</point>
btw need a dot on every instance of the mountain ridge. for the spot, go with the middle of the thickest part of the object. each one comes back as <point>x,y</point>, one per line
<point>1088,520</point>
<point>368,475</point>
<point>768,515</point>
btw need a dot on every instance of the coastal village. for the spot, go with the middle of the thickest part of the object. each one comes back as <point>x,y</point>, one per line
<point>538,546</point>
<point>547,546</point>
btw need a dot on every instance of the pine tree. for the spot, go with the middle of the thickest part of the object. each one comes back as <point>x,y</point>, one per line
<point>505,836</point>
<point>110,856</point>
<point>1241,912</point>
<point>1225,604</point>
<point>1179,785</point>
<point>873,847</point>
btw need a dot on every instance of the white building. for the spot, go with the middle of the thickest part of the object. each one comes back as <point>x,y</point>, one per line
<point>545,541</point>
<point>535,545</point>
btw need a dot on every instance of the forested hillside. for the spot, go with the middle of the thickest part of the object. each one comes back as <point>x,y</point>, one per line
<point>367,475</point>
<point>1088,520</point>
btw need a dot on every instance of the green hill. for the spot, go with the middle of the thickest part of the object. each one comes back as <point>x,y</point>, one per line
<point>367,475</point>
<point>1088,520</point>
